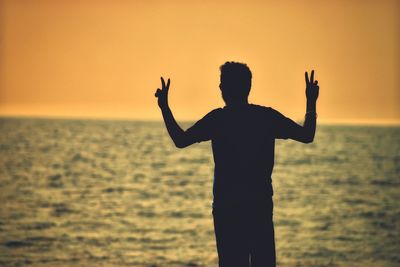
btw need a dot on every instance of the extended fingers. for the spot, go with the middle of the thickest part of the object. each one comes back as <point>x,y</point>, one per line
<point>165,86</point>
<point>312,76</point>
<point>163,83</point>
<point>307,80</point>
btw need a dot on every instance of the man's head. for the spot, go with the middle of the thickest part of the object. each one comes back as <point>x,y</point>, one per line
<point>235,82</point>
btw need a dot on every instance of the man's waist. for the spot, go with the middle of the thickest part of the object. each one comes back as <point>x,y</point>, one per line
<point>242,194</point>
<point>241,201</point>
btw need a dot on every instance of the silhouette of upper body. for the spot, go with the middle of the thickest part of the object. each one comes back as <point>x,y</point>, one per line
<point>242,135</point>
<point>243,144</point>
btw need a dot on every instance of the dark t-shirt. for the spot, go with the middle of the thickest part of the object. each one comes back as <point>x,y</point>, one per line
<point>243,143</point>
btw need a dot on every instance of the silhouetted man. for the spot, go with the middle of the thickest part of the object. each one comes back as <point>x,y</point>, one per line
<point>243,140</point>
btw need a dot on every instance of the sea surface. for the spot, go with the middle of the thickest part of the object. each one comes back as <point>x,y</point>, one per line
<point>118,193</point>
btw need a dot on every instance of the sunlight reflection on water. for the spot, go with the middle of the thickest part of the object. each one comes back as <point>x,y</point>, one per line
<point>117,193</point>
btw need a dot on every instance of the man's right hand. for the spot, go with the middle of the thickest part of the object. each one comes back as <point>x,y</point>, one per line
<point>312,88</point>
<point>162,94</point>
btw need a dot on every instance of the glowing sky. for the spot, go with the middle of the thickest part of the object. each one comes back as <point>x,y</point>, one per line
<point>104,58</point>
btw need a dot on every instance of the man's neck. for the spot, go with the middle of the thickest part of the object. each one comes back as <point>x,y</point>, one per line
<point>237,104</point>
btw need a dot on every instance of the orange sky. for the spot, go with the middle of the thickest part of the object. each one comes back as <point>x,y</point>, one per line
<point>104,58</point>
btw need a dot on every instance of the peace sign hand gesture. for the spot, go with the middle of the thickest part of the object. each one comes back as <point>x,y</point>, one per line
<point>162,94</point>
<point>312,88</point>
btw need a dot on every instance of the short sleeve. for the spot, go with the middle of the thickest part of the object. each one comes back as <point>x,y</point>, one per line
<point>203,129</point>
<point>284,127</point>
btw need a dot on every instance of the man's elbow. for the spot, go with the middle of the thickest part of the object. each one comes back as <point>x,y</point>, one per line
<point>181,143</point>
<point>308,140</point>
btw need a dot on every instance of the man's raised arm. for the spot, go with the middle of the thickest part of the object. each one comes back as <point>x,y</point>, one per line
<point>306,135</point>
<point>290,129</point>
<point>312,92</point>
<point>178,135</point>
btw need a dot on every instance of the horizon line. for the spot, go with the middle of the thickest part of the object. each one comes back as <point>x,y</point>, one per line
<point>361,122</point>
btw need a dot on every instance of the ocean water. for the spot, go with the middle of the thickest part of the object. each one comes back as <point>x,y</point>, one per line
<point>118,193</point>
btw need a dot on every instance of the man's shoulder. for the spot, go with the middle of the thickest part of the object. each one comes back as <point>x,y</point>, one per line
<point>261,108</point>
<point>270,110</point>
<point>254,108</point>
<point>214,112</point>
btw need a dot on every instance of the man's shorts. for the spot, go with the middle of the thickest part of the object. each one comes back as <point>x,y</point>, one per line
<point>245,235</point>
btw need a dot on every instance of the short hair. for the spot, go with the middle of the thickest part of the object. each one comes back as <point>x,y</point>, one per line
<point>236,79</point>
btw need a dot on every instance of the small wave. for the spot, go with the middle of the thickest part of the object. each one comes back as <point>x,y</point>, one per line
<point>106,168</point>
<point>169,173</point>
<point>383,225</point>
<point>157,247</point>
<point>79,157</point>
<point>113,189</point>
<point>56,166</point>
<point>17,244</point>
<point>372,214</point>
<point>157,240</point>
<point>138,177</point>
<point>131,239</point>
<point>60,210</point>
<point>346,238</point>
<point>55,181</point>
<point>158,165</point>
<point>45,239</point>
<point>344,181</point>
<point>147,214</point>
<point>177,214</point>
<point>54,177</point>
<point>194,160</point>
<point>357,201</point>
<point>385,183</point>
<point>180,231</point>
<point>300,161</point>
<point>287,223</point>
<point>38,226</point>
<point>55,184</point>
<point>323,252</point>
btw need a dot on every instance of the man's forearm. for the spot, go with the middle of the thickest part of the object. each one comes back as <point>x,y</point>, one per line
<point>175,131</point>
<point>310,120</point>
<point>311,106</point>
